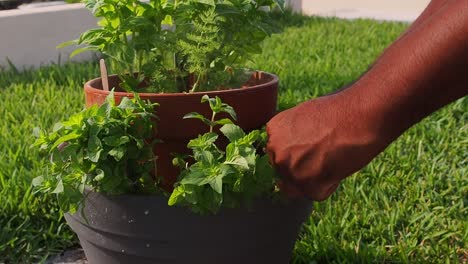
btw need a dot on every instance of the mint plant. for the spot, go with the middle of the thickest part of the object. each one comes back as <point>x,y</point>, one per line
<point>218,178</point>
<point>107,149</point>
<point>179,46</point>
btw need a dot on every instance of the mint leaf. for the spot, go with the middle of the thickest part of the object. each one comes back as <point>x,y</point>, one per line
<point>71,136</point>
<point>59,188</point>
<point>207,2</point>
<point>238,161</point>
<point>127,104</point>
<point>264,171</point>
<point>217,184</point>
<point>94,149</point>
<point>57,127</point>
<point>223,121</point>
<point>203,141</point>
<point>228,109</point>
<point>99,175</point>
<point>198,116</point>
<point>117,153</point>
<point>232,132</point>
<point>205,157</point>
<point>177,196</point>
<point>115,141</point>
<point>194,176</point>
<point>106,148</point>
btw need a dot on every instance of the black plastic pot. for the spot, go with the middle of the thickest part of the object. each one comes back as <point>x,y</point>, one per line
<point>144,229</point>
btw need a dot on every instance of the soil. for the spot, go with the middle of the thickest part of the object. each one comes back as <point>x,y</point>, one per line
<point>257,79</point>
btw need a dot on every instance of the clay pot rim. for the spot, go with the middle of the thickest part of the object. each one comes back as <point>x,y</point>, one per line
<point>90,85</point>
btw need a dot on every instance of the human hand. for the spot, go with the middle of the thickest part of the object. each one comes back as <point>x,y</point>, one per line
<point>320,142</point>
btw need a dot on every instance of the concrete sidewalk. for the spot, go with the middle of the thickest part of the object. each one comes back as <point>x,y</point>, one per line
<point>396,10</point>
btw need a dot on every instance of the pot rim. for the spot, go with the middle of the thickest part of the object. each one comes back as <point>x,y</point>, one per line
<point>89,86</point>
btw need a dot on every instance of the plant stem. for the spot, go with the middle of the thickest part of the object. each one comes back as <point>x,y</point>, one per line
<point>195,85</point>
<point>213,115</point>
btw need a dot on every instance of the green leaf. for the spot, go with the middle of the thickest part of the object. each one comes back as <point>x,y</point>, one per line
<point>167,20</point>
<point>94,148</point>
<point>115,141</point>
<point>217,106</point>
<point>217,184</point>
<point>223,121</point>
<point>99,175</point>
<point>205,157</point>
<point>195,177</point>
<point>81,50</point>
<point>59,188</point>
<point>118,152</point>
<point>176,196</point>
<point>75,120</point>
<point>206,2</point>
<point>57,127</point>
<point>37,181</point>
<point>228,109</point>
<point>37,132</point>
<point>66,44</point>
<point>69,151</point>
<point>179,161</point>
<point>203,141</point>
<point>68,137</point>
<point>238,161</point>
<point>205,98</point>
<point>195,115</point>
<point>264,169</point>
<point>126,104</point>
<point>250,138</point>
<point>232,132</point>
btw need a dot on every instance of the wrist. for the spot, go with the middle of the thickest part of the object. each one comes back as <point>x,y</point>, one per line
<point>382,116</point>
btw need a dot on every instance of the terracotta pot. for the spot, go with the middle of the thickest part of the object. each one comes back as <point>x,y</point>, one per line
<point>254,105</point>
<point>145,230</point>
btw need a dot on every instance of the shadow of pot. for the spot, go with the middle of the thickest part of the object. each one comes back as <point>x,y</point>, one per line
<point>144,229</point>
<point>255,106</point>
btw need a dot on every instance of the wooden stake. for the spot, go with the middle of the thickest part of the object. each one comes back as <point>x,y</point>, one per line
<point>105,80</point>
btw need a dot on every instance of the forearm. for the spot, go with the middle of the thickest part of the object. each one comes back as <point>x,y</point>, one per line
<point>432,8</point>
<point>425,70</point>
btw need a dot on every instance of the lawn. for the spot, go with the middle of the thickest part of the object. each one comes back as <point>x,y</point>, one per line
<point>407,206</point>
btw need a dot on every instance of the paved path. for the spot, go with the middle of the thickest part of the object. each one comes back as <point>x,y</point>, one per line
<point>396,10</point>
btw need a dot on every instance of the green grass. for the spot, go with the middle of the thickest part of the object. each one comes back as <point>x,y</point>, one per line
<point>407,206</point>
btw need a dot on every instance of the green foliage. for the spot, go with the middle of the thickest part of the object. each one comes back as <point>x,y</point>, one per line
<point>231,177</point>
<point>107,148</point>
<point>178,45</point>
